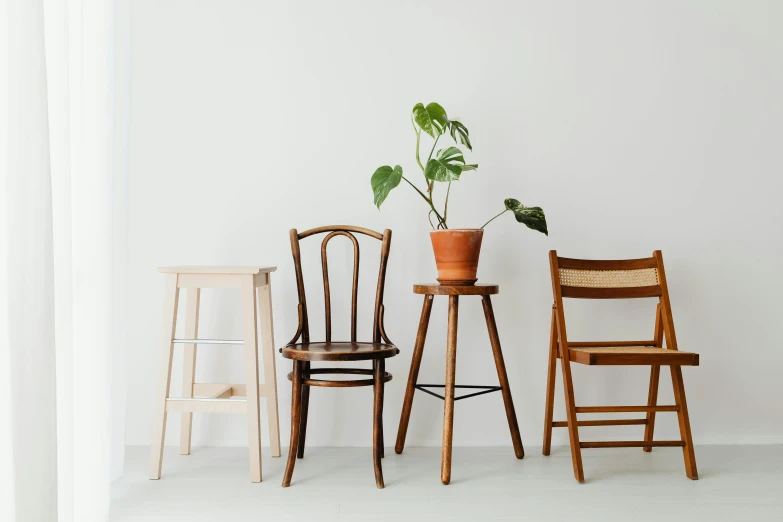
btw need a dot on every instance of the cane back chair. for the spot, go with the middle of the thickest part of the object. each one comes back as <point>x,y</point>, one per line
<point>635,278</point>
<point>305,351</point>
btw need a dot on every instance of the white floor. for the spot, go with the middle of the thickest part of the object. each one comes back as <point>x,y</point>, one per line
<point>737,483</point>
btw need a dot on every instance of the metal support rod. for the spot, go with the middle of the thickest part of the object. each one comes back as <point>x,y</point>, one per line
<point>484,389</point>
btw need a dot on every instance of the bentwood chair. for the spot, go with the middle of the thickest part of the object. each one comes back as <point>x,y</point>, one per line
<point>304,352</point>
<point>634,278</point>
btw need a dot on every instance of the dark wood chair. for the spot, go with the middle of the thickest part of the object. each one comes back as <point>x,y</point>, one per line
<point>304,352</point>
<point>633,278</point>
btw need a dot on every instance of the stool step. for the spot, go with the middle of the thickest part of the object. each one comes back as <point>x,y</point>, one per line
<point>186,405</point>
<point>206,341</point>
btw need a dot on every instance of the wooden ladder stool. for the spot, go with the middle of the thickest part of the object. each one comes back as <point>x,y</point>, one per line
<point>254,284</point>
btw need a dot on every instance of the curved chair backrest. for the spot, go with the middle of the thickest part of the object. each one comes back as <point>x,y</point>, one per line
<point>331,232</point>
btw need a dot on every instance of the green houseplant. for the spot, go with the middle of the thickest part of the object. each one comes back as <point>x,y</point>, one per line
<point>456,250</point>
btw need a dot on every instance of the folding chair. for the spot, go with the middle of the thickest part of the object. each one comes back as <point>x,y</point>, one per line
<point>634,278</point>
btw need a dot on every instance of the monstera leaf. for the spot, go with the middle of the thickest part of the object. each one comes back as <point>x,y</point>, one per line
<point>432,118</point>
<point>460,134</point>
<point>447,165</point>
<point>532,217</point>
<point>383,181</point>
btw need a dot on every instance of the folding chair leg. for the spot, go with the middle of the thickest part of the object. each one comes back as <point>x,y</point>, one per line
<point>652,399</point>
<point>573,431</point>
<point>685,423</point>
<point>550,387</point>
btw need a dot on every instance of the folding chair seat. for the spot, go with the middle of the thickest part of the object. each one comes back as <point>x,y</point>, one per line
<point>635,278</point>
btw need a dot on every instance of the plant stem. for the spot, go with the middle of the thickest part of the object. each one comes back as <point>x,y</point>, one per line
<point>446,205</point>
<point>494,218</point>
<point>431,184</point>
<point>428,200</point>
<point>418,139</point>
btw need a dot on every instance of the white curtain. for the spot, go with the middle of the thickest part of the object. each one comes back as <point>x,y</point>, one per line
<point>56,286</point>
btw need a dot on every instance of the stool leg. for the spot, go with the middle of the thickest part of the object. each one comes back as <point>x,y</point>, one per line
<point>296,410</point>
<point>505,389</point>
<point>413,376</point>
<point>189,373</point>
<point>268,353</point>
<point>168,327</point>
<point>377,425</point>
<point>251,371</point>
<point>448,403</point>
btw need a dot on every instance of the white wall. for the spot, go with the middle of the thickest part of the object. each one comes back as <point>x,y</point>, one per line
<point>635,125</point>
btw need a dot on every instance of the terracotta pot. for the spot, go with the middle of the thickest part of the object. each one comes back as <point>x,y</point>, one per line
<point>457,254</point>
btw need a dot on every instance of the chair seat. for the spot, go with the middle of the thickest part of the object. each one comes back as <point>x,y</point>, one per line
<point>631,355</point>
<point>331,351</point>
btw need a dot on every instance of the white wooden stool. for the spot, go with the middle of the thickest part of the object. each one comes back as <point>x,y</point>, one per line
<point>217,398</point>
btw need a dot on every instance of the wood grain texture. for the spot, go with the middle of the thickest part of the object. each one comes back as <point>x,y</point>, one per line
<point>413,374</point>
<point>628,356</point>
<point>339,371</point>
<point>339,351</point>
<point>354,287</point>
<point>500,366</point>
<point>377,425</point>
<point>683,419</point>
<point>448,403</point>
<point>305,352</point>
<point>655,375</point>
<point>649,353</point>
<point>602,422</point>
<point>632,443</point>
<point>610,293</point>
<point>341,228</point>
<point>305,407</point>
<point>562,340</point>
<point>549,407</point>
<point>296,398</point>
<point>603,264</point>
<point>438,289</point>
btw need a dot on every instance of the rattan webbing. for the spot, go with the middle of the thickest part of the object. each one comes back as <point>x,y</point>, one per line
<point>609,278</point>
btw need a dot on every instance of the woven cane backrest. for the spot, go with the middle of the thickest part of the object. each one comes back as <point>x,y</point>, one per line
<point>613,279</point>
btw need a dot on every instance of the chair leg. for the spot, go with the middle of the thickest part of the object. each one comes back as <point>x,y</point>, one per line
<point>551,375</point>
<point>448,403</point>
<point>685,424</point>
<point>573,430</point>
<point>413,376</point>
<point>377,426</point>
<point>296,410</point>
<point>382,363</point>
<point>505,388</point>
<point>168,326</point>
<point>305,408</point>
<point>652,399</point>
<point>189,373</point>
